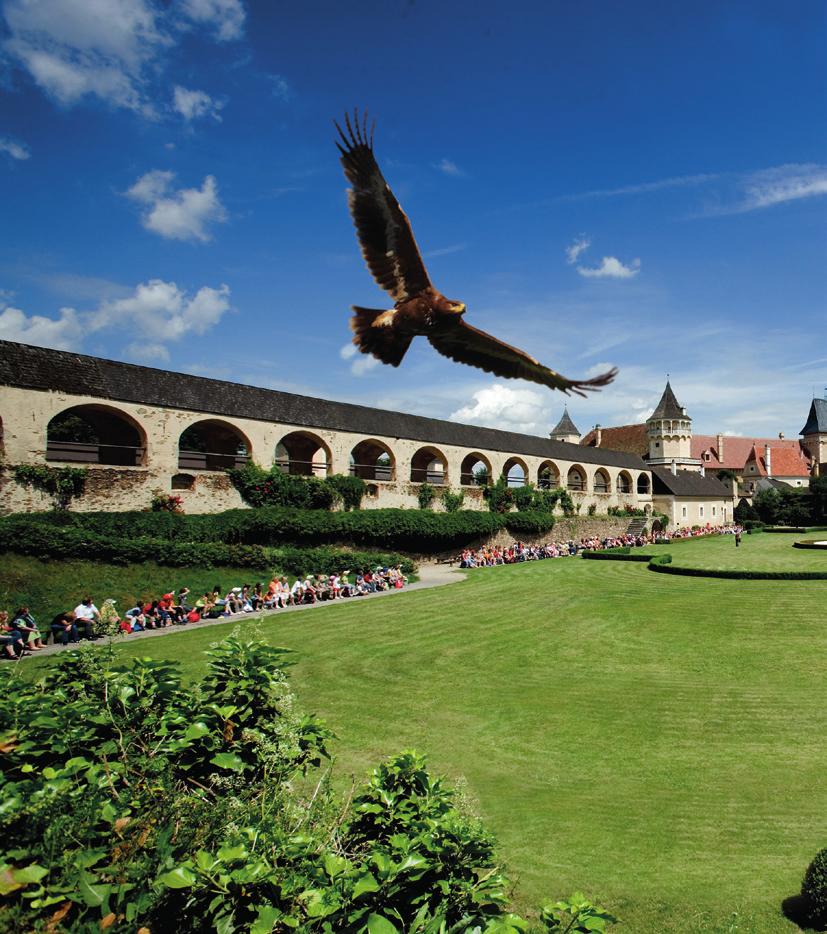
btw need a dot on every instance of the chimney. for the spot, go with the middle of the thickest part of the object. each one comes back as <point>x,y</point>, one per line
<point>674,467</point>
<point>598,435</point>
<point>720,442</point>
<point>703,470</point>
<point>768,459</point>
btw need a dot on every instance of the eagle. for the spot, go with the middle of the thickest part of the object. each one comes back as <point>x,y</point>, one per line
<point>393,258</point>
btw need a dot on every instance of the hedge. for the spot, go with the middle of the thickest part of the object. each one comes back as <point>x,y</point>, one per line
<point>615,554</point>
<point>658,564</point>
<point>814,544</point>
<point>410,530</point>
<point>68,542</point>
<point>794,528</point>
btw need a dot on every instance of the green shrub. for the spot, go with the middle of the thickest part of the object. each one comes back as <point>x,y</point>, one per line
<point>349,490</point>
<point>425,495</point>
<point>63,484</point>
<point>273,487</point>
<point>499,496</point>
<point>452,502</point>
<point>135,801</point>
<point>814,889</point>
<point>528,523</point>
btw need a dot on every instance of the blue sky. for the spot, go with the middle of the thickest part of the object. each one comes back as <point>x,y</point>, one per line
<point>640,185</point>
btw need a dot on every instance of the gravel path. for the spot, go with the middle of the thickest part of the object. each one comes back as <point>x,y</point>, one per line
<point>430,575</point>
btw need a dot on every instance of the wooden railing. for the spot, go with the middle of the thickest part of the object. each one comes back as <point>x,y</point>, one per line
<point>115,455</point>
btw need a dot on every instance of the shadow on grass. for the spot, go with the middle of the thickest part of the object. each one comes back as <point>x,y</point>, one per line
<point>795,909</point>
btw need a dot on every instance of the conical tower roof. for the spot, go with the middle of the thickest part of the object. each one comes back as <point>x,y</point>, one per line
<point>565,426</point>
<point>668,406</point>
<point>817,419</point>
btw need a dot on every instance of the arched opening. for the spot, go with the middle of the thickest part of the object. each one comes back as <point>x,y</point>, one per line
<point>212,445</point>
<point>643,485</point>
<point>548,475</point>
<point>515,472</point>
<point>624,482</point>
<point>304,454</point>
<point>576,479</point>
<point>429,465</point>
<point>95,434</point>
<point>372,460</point>
<point>602,482</point>
<point>475,470</point>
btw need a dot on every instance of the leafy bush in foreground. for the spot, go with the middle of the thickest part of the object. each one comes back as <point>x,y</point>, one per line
<point>131,800</point>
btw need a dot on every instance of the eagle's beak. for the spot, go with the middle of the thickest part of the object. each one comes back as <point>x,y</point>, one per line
<point>459,308</point>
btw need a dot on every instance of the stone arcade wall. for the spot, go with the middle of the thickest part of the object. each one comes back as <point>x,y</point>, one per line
<point>136,416</point>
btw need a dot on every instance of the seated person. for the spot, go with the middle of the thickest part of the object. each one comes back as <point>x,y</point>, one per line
<point>24,623</point>
<point>10,638</point>
<point>86,616</point>
<point>63,626</point>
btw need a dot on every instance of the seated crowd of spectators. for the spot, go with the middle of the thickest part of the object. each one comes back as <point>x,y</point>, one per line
<point>21,635</point>
<point>492,556</point>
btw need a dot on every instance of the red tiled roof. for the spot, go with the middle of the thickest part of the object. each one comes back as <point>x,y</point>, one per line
<point>736,450</point>
<point>631,439</point>
<point>783,462</point>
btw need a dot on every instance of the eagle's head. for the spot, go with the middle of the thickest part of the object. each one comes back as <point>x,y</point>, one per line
<point>457,308</point>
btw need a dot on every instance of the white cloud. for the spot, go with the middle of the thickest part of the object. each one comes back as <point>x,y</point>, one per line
<point>193,104</point>
<point>62,333</point>
<point>778,185</point>
<point>156,313</point>
<point>679,181</point>
<point>610,268</point>
<point>447,167</point>
<point>360,363</point>
<point>580,245</point>
<point>13,148</point>
<point>509,408</point>
<point>147,352</point>
<point>445,250</point>
<point>183,214</point>
<point>281,88</point>
<point>96,47</point>
<point>226,17</point>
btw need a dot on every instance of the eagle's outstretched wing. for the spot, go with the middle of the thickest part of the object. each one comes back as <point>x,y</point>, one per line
<point>467,344</point>
<point>384,231</point>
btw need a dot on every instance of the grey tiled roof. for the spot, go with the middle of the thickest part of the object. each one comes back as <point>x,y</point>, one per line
<point>817,419</point>
<point>56,370</point>
<point>668,406</point>
<point>565,426</point>
<point>688,483</point>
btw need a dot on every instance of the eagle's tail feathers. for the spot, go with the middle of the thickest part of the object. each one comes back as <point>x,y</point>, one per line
<point>377,337</point>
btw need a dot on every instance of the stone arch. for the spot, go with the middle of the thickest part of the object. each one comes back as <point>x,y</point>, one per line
<point>372,460</point>
<point>515,471</point>
<point>182,481</point>
<point>303,453</point>
<point>624,482</point>
<point>644,487</point>
<point>576,479</point>
<point>213,444</point>
<point>471,470</point>
<point>96,434</point>
<point>429,465</point>
<point>548,475</point>
<point>602,482</point>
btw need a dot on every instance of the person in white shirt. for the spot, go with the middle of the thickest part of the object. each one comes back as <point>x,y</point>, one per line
<point>86,616</point>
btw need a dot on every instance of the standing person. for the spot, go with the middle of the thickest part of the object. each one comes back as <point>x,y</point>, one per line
<point>737,538</point>
<point>86,616</point>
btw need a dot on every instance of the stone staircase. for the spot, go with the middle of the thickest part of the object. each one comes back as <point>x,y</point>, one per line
<point>637,526</point>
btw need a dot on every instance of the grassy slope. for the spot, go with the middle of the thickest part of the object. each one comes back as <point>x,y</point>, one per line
<point>771,551</point>
<point>657,741</point>
<point>49,587</point>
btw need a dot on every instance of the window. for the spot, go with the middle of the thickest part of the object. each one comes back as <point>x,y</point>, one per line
<point>714,511</point>
<point>683,512</point>
<point>701,511</point>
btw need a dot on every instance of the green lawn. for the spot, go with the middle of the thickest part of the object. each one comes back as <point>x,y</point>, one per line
<point>767,551</point>
<point>656,741</point>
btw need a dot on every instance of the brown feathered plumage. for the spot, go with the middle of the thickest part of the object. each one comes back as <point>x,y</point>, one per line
<point>392,256</point>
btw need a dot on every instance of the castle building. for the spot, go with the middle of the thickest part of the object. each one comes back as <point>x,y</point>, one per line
<point>565,430</point>
<point>666,439</point>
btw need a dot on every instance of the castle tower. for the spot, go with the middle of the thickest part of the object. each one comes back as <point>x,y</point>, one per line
<point>814,436</point>
<point>669,430</point>
<point>565,430</point>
